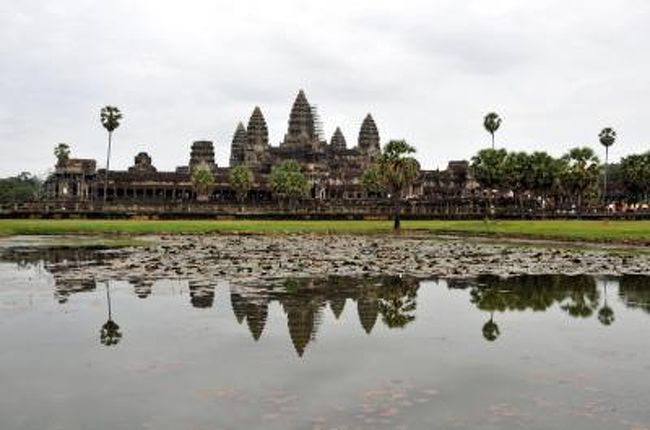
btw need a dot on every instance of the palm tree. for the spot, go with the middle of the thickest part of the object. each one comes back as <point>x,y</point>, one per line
<point>62,154</point>
<point>394,172</point>
<point>581,170</point>
<point>110,117</point>
<point>492,122</point>
<point>202,180</point>
<point>489,168</point>
<point>288,182</point>
<point>635,172</point>
<point>545,174</point>
<point>241,179</point>
<point>607,138</point>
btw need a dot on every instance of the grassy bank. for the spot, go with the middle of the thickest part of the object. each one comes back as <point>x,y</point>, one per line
<point>614,231</point>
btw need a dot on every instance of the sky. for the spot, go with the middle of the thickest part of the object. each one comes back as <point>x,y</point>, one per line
<point>557,71</point>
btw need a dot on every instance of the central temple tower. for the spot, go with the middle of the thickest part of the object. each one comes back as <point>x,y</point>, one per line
<point>302,128</point>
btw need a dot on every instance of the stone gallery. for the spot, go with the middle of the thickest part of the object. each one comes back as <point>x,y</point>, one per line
<point>333,169</point>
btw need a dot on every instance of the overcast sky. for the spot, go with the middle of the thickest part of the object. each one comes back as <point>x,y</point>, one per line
<point>556,70</point>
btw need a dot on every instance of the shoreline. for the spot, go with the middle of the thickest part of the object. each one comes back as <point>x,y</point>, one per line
<point>624,233</point>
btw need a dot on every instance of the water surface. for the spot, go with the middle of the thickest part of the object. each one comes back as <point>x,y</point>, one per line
<point>333,353</point>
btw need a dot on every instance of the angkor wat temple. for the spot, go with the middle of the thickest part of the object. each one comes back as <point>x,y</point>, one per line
<point>334,169</point>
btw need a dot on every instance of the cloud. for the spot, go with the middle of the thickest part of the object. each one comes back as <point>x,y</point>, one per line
<point>557,71</point>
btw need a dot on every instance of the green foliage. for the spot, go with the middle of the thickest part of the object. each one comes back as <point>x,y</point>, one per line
<point>635,172</point>
<point>607,137</point>
<point>394,171</point>
<point>110,334</point>
<point>241,179</point>
<point>202,179</point>
<point>62,153</point>
<point>518,171</point>
<point>491,123</point>
<point>371,179</point>
<point>489,167</point>
<point>581,173</point>
<point>287,180</point>
<point>110,117</point>
<point>19,189</point>
<point>544,173</point>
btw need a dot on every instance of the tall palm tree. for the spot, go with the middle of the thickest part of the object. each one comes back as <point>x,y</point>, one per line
<point>398,170</point>
<point>492,122</point>
<point>62,154</point>
<point>607,138</point>
<point>202,178</point>
<point>110,117</point>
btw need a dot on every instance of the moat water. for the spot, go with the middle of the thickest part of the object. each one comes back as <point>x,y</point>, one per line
<point>533,352</point>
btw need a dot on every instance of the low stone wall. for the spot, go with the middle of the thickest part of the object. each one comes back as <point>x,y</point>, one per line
<point>307,209</point>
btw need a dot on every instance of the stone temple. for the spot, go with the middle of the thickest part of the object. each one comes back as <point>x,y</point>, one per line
<point>333,168</point>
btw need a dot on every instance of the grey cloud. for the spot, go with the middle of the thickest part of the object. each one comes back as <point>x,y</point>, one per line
<point>427,70</point>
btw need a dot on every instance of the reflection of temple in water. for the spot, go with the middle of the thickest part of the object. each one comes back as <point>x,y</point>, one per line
<point>304,302</point>
<point>201,294</point>
<point>142,288</point>
<point>64,289</point>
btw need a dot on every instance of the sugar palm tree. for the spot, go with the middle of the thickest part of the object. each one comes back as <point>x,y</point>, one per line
<point>393,173</point>
<point>110,117</point>
<point>62,154</point>
<point>241,179</point>
<point>202,178</point>
<point>607,138</point>
<point>492,122</point>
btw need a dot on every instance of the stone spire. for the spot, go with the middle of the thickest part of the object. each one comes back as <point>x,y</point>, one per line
<point>237,147</point>
<point>369,136</point>
<point>338,140</point>
<point>301,120</point>
<point>257,140</point>
<point>258,132</point>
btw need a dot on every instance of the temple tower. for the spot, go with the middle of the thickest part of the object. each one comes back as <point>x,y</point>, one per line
<point>202,152</point>
<point>302,129</point>
<point>369,137</point>
<point>238,144</point>
<point>338,140</point>
<point>257,139</point>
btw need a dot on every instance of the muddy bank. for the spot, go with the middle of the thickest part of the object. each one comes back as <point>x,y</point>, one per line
<point>248,259</point>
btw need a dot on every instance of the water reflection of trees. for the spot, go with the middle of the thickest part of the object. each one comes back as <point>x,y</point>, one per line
<point>575,295</point>
<point>391,300</point>
<point>634,291</point>
<point>304,302</point>
<point>110,333</point>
